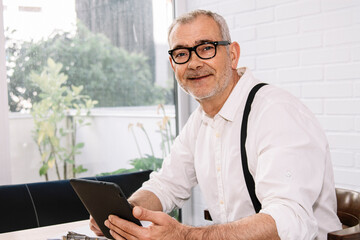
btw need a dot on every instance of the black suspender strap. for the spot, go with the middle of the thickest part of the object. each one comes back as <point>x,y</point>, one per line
<point>250,184</point>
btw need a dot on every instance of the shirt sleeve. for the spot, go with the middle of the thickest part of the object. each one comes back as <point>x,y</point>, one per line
<point>291,152</point>
<point>174,181</point>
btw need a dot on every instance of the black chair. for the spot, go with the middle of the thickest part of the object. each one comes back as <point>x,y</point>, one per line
<point>33,205</point>
<point>56,202</point>
<point>16,208</point>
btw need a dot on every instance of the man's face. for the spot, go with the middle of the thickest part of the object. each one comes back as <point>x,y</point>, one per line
<point>203,79</point>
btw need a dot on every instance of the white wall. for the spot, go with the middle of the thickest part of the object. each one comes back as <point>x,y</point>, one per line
<point>312,49</point>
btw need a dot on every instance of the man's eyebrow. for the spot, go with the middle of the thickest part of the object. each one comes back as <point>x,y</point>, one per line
<point>196,43</point>
<point>179,46</point>
<point>203,41</point>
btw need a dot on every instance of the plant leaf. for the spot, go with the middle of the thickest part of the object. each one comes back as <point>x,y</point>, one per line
<point>43,170</point>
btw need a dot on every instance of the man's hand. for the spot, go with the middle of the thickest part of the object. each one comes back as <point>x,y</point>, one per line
<point>163,226</point>
<point>94,227</point>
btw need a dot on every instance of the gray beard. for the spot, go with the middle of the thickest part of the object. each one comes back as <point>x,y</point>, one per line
<point>217,89</point>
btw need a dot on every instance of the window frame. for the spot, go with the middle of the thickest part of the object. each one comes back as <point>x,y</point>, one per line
<point>5,170</point>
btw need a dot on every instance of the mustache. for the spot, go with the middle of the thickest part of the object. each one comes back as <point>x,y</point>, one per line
<point>197,74</point>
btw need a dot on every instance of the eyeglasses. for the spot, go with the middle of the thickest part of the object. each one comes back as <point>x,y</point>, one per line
<point>204,50</point>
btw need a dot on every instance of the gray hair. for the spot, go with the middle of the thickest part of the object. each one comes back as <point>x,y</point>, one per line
<point>191,16</point>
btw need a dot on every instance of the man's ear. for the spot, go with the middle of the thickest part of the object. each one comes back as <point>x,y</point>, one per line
<point>172,64</point>
<point>234,49</point>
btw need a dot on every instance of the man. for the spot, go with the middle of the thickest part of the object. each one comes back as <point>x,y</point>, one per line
<point>288,155</point>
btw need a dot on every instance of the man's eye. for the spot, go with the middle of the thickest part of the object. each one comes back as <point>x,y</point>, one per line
<point>207,48</point>
<point>180,54</point>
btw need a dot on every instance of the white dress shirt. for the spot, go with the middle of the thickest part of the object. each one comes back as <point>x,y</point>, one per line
<point>288,156</point>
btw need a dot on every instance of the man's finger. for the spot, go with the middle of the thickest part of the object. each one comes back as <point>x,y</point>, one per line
<point>155,217</point>
<point>94,227</point>
<point>124,228</point>
<point>116,235</point>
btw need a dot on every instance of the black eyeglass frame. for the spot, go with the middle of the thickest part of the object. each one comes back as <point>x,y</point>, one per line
<point>215,43</point>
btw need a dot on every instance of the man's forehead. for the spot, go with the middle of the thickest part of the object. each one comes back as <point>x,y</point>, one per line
<point>200,29</point>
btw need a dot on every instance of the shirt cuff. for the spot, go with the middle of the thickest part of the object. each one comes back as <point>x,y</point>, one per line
<point>291,223</point>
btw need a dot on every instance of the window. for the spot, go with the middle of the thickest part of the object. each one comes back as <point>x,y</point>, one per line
<point>90,89</point>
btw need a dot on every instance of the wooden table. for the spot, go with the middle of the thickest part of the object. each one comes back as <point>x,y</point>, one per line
<point>50,232</point>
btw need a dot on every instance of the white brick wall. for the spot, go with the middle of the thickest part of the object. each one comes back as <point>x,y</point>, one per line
<point>312,49</point>
<point>297,9</point>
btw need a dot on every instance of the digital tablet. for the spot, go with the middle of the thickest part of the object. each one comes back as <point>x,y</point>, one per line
<point>102,199</point>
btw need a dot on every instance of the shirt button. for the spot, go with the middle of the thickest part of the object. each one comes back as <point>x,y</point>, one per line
<point>217,135</point>
<point>221,202</point>
<point>218,169</point>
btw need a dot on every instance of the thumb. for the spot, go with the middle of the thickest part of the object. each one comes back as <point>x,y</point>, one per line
<point>144,214</point>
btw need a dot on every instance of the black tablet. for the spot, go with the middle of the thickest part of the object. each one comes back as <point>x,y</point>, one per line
<point>102,199</point>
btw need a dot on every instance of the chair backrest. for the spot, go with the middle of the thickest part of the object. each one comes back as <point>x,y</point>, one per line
<point>16,208</point>
<point>348,204</point>
<point>56,202</point>
<point>33,205</point>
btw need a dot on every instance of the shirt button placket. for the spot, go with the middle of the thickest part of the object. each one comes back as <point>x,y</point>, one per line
<point>218,174</point>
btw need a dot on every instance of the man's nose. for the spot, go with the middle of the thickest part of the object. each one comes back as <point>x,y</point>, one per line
<point>194,61</point>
